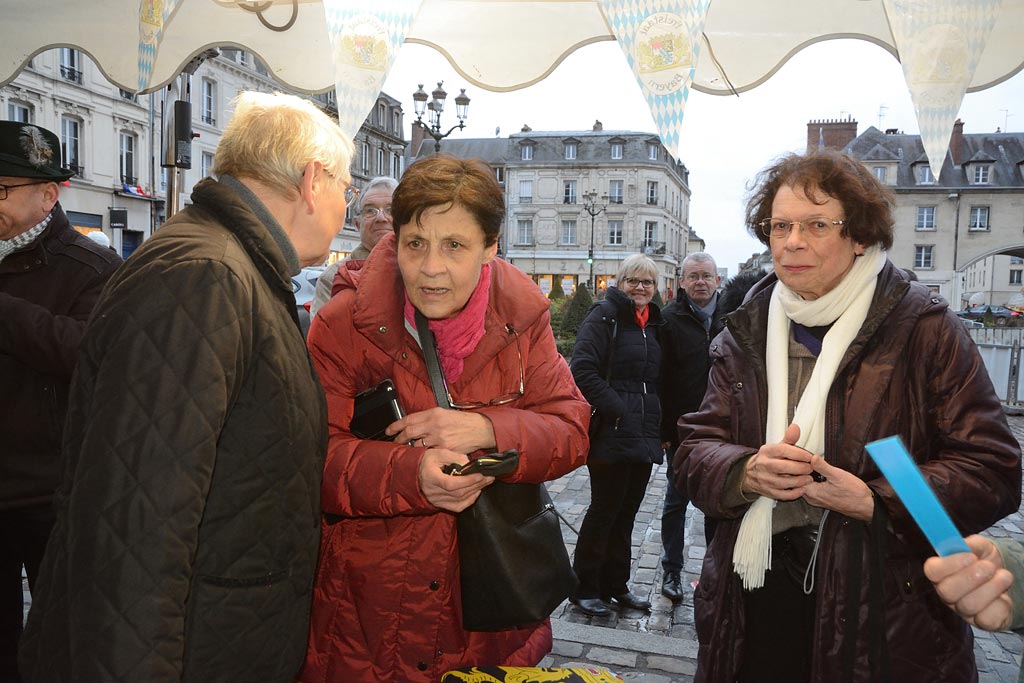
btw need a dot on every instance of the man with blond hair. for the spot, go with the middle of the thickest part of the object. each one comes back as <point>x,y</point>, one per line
<point>188,514</point>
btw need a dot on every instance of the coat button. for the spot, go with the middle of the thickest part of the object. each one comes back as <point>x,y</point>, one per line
<point>422,666</point>
<point>739,385</point>
<point>383,329</point>
<point>434,585</point>
<point>405,356</point>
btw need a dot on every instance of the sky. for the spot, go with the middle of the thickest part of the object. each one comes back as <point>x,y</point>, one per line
<point>725,140</point>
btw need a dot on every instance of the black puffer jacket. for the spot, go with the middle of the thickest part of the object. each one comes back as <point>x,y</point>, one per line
<point>912,370</point>
<point>628,405</point>
<point>188,513</point>
<point>47,291</point>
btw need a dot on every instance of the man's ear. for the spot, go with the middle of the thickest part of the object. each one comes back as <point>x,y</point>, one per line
<point>311,184</point>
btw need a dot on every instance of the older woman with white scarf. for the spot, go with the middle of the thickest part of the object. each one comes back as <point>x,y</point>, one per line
<point>814,573</point>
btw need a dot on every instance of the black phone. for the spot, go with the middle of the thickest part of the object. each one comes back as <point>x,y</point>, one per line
<point>491,464</point>
<point>374,410</point>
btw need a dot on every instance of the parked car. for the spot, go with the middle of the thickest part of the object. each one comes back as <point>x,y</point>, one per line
<point>1002,315</point>
<point>304,287</point>
<point>972,324</point>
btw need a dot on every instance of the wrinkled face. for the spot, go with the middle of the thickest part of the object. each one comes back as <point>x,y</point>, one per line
<point>440,259</point>
<point>24,206</point>
<point>329,219</point>
<point>375,224</point>
<point>811,266</point>
<point>699,280</point>
<point>633,286</point>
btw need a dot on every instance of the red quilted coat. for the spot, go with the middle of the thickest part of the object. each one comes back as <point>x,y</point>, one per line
<point>386,601</point>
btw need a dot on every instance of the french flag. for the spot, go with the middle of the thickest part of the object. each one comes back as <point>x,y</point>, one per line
<point>134,189</point>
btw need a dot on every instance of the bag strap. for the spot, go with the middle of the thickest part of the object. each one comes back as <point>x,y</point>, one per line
<point>429,345</point>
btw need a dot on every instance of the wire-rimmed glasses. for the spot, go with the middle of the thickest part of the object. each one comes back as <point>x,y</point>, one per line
<point>504,398</point>
<point>817,226</point>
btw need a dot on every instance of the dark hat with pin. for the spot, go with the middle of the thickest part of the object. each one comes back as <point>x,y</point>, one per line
<point>28,151</point>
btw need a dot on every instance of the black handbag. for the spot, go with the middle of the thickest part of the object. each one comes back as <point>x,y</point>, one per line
<point>514,568</point>
<point>595,417</point>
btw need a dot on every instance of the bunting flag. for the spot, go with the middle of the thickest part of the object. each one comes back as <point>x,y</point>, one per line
<point>365,37</point>
<point>939,44</point>
<point>153,16</point>
<point>661,41</point>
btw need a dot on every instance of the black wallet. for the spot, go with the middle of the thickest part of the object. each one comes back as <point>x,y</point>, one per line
<point>374,410</point>
<point>492,464</point>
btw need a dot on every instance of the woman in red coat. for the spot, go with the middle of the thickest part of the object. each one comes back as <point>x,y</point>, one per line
<point>387,599</point>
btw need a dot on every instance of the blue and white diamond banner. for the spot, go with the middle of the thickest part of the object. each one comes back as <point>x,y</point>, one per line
<point>365,38</point>
<point>940,43</point>
<point>153,16</point>
<point>661,40</point>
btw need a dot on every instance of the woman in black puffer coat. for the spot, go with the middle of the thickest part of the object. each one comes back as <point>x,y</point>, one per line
<point>619,333</point>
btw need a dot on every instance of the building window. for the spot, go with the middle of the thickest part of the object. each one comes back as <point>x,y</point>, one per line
<point>881,172</point>
<point>524,231</point>
<point>650,232</point>
<point>499,174</point>
<point>382,115</point>
<point>396,123</point>
<point>979,218</point>
<point>127,158</point>
<point>261,69</point>
<point>982,174</point>
<point>615,232</point>
<point>615,191</point>
<point>1016,261</point>
<point>527,152</point>
<point>207,164</point>
<point>923,258</point>
<point>924,175</point>
<point>208,110</point>
<point>569,196</point>
<point>570,151</point>
<point>127,95</point>
<point>652,151</point>
<point>364,157</point>
<point>616,150</point>
<point>382,164</point>
<point>19,112</point>
<point>1015,276</point>
<point>652,192</point>
<point>925,218</point>
<point>242,57</point>
<point>525,191</point>
<point>70,65</point>
<point>568,232</point>
<point>396,165</point>
<point>70,133</point>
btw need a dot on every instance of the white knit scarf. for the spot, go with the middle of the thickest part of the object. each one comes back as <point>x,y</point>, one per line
<point>846,305</point>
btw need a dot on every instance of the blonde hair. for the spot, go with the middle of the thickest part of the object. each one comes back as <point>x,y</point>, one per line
<point>272,137</point>
<point>638,264</point>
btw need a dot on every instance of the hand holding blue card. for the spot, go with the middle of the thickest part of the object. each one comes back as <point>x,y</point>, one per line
<point>892,458</point>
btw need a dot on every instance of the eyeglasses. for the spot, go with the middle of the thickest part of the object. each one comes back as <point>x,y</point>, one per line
<point>637,282</point>
<point>371,212</point>
<point>819,226</point>
<point>351,193</point>
<point>5,189</point>
<point>503,399</point>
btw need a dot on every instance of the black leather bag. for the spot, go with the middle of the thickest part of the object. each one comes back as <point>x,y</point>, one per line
<point>514,568</point>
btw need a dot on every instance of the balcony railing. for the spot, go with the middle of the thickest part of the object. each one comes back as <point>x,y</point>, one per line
<point>129,180</point>
<point>69,73</point>
<point>209,119</point>
<point>654,248</point>
<point>79,171</point>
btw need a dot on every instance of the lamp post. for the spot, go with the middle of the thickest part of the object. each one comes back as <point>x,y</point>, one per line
<point>591,206</point>
<point>434,107</point>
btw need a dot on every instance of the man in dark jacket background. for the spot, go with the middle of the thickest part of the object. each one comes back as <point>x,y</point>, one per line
<point>50,278</point>
<point>691,321</point>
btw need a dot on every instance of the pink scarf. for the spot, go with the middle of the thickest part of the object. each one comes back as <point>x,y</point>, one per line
<point>458,336</point>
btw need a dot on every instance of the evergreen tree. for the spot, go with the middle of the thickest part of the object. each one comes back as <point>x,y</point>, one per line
<point>576,311</point>
<point>656,299</point>
<point>556,293</point>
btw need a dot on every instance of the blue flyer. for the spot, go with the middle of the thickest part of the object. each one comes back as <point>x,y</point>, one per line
<point>892,458</point>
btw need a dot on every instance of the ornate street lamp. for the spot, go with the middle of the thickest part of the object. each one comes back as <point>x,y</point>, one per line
<point>591,206</point>
<point>434,107</point>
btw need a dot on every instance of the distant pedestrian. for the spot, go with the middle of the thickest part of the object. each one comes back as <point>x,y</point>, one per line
<point>617,365</point>
<point>691,321</point>
<point>188,516</point>
<point>50,278</point>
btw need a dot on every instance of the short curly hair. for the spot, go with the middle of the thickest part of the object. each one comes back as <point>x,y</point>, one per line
<point>867,203</point>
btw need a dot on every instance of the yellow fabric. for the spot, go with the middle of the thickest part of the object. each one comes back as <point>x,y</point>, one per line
<point>527,674</point>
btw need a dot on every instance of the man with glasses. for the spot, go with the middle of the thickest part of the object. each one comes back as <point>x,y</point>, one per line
<point>373,218</point>
<point>50,278</point>
<point>691,321</point>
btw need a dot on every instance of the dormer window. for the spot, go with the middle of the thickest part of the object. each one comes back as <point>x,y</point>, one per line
<point>527,152</point>
<point>616,150</point>
<point>982,174</point>
<point>652,151</point>
<point>570,151</point>
<point>924,175</point>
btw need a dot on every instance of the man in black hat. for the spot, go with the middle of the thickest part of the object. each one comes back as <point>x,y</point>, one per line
<point>50,277</point>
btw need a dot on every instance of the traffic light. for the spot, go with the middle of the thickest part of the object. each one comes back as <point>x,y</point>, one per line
<point>590,261</point>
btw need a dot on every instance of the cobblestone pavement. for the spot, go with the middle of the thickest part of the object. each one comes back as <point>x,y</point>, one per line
<point>661,647</point>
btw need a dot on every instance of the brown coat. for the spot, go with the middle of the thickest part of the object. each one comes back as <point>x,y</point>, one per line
<point>387,604</point>
<point>912,370</point>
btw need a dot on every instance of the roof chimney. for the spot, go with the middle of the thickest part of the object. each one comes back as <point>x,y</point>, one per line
<point>598,125</point>
<point>525,129</point>
<point>416,142</point>
<point>956,143</point>
<point>831,133</point>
